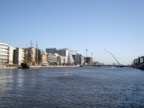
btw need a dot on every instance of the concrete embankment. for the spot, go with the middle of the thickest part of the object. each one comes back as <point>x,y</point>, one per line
<point>8,67</point>
<point>51,66</point>
<point>40,67</point>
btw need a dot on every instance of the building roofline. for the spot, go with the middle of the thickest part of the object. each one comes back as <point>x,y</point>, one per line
<point>3,43</point>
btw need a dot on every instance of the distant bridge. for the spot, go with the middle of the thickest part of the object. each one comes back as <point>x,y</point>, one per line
<point>120,65</point>
<point>103,65</point>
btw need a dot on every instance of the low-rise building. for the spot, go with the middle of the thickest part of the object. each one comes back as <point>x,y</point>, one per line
<point>52,50</point>
<point>60,60</point>
<point>4,54</point>
<point>62,52</point>
<point>88,60</point>
<point>11,55</point>
<point>44,58</point>
<point>32,56</point>
<point>68,54</point>
<point>81,60</point>
<point>78,59</point>
<point>18,56</point>
<point>52,59</point>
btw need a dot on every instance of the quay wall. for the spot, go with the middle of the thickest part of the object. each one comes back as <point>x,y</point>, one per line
<point>39,67</point>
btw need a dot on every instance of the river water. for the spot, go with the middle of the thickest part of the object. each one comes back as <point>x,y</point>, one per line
<point>85,87</point>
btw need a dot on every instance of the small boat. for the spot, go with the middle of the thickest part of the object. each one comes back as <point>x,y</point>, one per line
<point>24,66</point>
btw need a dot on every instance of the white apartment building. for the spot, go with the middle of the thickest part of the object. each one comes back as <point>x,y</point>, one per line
<point>4,49</point>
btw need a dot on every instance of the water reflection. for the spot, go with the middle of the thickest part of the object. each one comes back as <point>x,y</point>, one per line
<point>71,87</point>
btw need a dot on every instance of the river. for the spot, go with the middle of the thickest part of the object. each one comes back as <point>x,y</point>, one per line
<point>84,87</point>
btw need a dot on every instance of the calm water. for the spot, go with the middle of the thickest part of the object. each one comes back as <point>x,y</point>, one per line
<point>72,88</point>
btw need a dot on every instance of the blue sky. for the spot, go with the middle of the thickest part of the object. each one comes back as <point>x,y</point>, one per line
<point>115,25</point>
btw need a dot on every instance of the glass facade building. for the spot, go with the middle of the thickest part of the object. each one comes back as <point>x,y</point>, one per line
<point>62,52</point>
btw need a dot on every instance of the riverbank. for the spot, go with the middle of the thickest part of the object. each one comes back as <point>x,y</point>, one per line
<point>52,66</point>
<point>38,66</point>
<point>8,67</point>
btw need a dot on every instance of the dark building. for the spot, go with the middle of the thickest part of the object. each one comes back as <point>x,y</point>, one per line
<point>61,52</point>
<point>52,50</point>
<point>18,56</point>
<point>78,59</point>
<point>88,60</point>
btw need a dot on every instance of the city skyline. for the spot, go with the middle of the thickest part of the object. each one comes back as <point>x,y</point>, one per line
<point>78,24</point>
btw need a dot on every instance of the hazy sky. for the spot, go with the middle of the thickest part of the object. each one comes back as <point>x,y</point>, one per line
<point>115,25</point>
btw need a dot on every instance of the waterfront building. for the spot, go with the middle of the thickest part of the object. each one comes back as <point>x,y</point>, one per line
<point>77,58</point>
<point>68,54</point>
<point>52,59</point>
<point>44,58</point>
<point>4,49</point>
<point>18,56</point>
<point>52,50</point>
<point>11,55</point>
<point>31,53</point>
<point>142,59</point>
<point>32,56</point>
<point>138,61</point>
<point>88,60</point>
<point>60,60</point>
<point>62,52</point>
<point>81,60</point>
